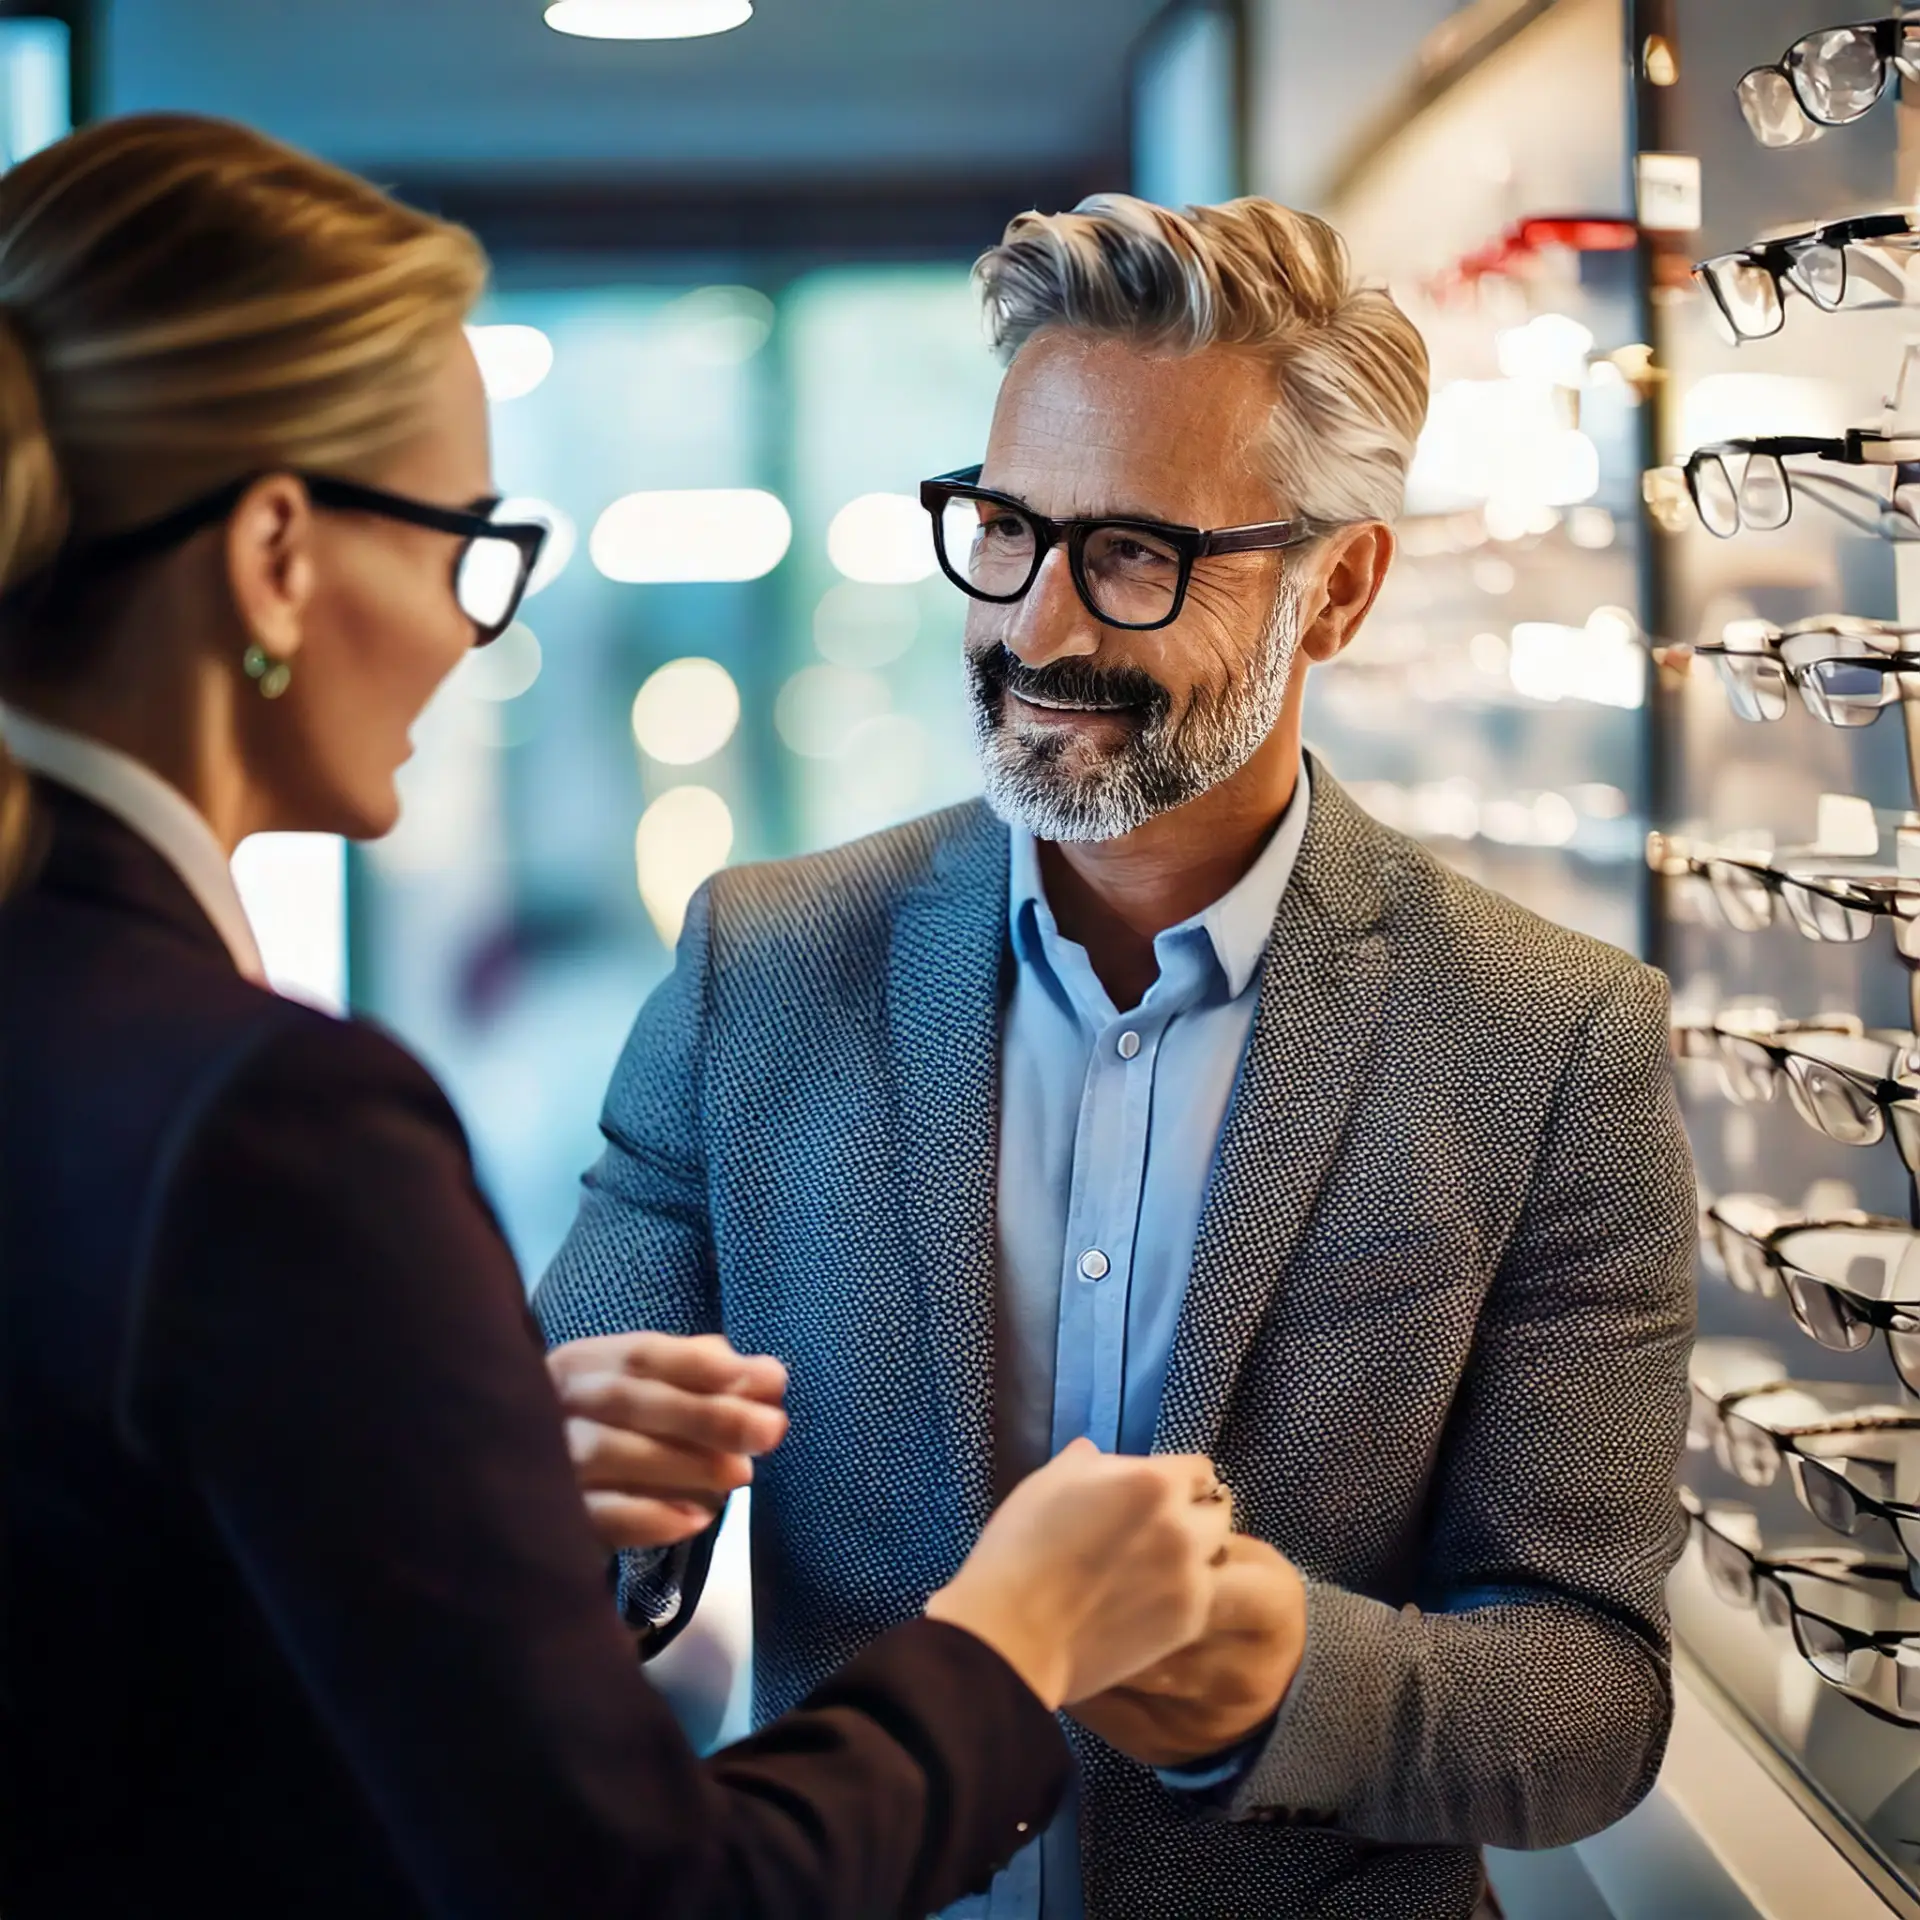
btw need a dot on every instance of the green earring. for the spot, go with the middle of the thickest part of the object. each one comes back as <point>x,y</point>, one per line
<point>272,677</point>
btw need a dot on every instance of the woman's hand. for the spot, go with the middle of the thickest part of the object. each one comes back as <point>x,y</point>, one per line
<point>1095,1567</point>
<point>662,1429</point>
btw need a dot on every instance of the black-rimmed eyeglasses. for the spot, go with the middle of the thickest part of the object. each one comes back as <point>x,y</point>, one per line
<point>1747,287</point>
<point>1128,572</point>
<point>491,566</point>
<point>1762,499</point>
<point>1828,79</point>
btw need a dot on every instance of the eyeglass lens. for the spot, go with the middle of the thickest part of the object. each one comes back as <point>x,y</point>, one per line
<point>1838,74</point>
<point>1748,306</point>
<point>1756,685</point>
<point>490,581</point>
<point>1713,494</point>
<point>1833,1104</point>
<point>1772,113</point>
<point>1828,1317</point>
<point>1128,576</point>
<point>1821,917</point>
<point>1820,272</point>
<point>1847,693</point>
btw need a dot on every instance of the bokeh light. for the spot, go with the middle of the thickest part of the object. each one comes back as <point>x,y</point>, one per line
<point>647,19</point>
<point>714,533</point>
<point>513,359</point>
<point>884,539</point>
<point>820,707</point>
<point>506,669</point>
<point>683,839</point>
<point>865,626</point>
<point>686,712</point>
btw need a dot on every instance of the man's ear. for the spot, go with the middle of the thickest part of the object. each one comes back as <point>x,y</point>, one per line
<point>270,563</point>
<point>1355,570</point>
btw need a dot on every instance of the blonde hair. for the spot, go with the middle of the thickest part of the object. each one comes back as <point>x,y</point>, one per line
<point>184,302</point>
<point>1349,368</point>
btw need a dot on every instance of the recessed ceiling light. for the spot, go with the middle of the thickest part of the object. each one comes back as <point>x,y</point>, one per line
<point>647,19</point>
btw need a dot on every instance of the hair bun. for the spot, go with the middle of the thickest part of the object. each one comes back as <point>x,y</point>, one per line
<point>33,496</point>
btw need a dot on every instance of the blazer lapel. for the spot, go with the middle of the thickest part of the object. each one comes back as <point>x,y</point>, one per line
<point>1322,988</point>
<point>944,993</point>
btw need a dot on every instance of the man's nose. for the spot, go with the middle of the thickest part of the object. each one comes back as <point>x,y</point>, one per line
<point>1051,623</point>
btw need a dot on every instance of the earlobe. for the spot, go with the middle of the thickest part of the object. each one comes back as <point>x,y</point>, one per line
<point>270,570</point>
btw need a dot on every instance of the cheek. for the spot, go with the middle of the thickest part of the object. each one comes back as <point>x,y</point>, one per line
<point>395,639</point>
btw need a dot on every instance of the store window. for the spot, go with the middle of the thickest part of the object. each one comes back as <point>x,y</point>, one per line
<point>741,650</point>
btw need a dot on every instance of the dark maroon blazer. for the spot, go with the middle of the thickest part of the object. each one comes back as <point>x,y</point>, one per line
<point>301,1610</point>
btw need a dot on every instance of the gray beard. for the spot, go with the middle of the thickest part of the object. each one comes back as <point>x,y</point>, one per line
<point>1033,781</point>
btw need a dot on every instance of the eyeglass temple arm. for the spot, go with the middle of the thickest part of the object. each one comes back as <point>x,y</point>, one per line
<point>1265,537</point>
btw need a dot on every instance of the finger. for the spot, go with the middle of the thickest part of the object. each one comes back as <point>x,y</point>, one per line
<point>706,1363</point>
<point>1193,1474</point>
<point>623,1521</point>
<point>610,1459</point>
<point>660,1411</point>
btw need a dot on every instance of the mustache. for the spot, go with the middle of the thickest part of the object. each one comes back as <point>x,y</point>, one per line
<point>1074,683</point>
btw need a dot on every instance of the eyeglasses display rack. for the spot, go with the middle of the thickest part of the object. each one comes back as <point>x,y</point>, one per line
<point>1783,520</point>
<point>1494,705</point>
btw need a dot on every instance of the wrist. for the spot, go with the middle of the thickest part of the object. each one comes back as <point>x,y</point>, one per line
<point>1039,1657</point>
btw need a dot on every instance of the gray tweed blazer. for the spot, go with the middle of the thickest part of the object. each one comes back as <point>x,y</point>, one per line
<point>1434,1337</point>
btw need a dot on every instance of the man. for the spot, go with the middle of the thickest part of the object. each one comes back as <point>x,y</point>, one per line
<point>1169,1100</point>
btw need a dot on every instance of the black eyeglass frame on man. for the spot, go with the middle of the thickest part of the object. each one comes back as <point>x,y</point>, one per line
<point>1188,544</point>
<point>474,526</point>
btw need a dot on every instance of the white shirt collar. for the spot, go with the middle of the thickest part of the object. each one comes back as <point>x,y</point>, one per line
<point>161,815</point>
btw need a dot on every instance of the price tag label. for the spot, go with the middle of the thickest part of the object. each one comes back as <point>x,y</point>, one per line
<point>1669,192</point>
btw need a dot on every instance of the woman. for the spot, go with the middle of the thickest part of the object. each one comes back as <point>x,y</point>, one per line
<point>303,1609</point>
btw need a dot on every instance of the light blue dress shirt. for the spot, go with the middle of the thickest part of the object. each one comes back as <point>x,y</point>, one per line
<point>1109,1125</point>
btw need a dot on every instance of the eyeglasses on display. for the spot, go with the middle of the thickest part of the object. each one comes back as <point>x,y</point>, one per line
<point>1744,887</point>
<point>1799,1592</point>
<point>1843,1084</point>
<point>1128,573</point>
<point>1761,500</point>
<point>1845,1277</point>
<point>1845,670</point>
<point>1747,287</point>
<point>1841,1447</point>
<point>1828,79</point>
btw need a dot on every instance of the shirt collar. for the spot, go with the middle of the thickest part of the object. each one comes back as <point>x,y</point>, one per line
<point>1237,925</point>
<point>144,803</point>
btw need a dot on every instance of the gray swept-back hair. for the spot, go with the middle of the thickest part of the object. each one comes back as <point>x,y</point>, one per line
<point>1349,368</point>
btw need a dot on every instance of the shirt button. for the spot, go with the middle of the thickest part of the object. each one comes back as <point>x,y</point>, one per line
<point>1094,1264</point>
<point>1129,1044</point>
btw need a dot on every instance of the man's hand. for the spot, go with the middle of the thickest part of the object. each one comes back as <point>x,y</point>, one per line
<point>1217,1691</point>
<point>662,1429</point>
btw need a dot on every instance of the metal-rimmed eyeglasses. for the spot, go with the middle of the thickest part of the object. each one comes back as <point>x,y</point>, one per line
<point>1748,286</point>
<point>1845,1276</point>
<point>1799,1591</point>
<point>1845,1084</point>
<point>1128,572</point>
<point>1828,79</point>
<point>1846,670</point>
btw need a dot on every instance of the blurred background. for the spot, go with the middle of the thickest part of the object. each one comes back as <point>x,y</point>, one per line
<point>732,327</point>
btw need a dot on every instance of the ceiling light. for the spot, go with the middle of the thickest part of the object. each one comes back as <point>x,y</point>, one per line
<point>686,712</point>
<point>647,19</point>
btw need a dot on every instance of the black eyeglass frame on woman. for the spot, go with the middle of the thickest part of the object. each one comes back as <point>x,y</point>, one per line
<point>473,526</point>
<point>1788,262</point>
<point>1894,43</point>
<point>1187,544</point>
